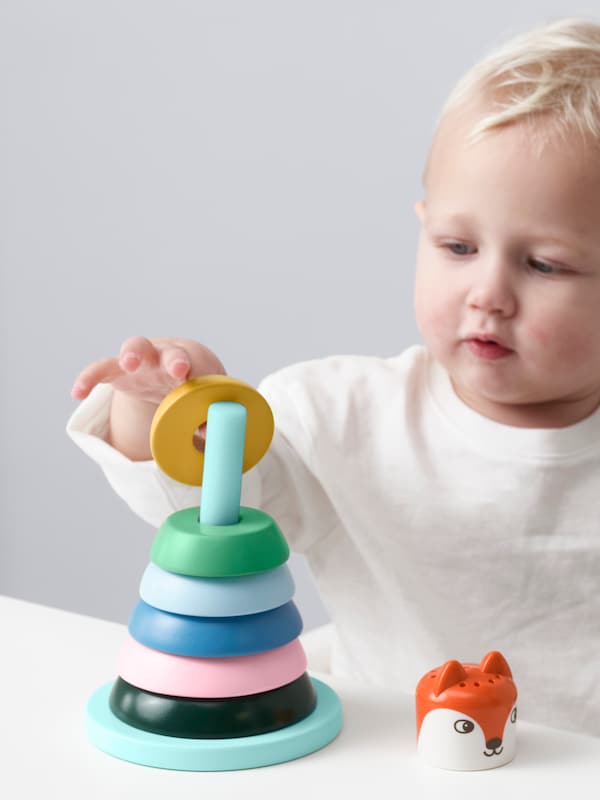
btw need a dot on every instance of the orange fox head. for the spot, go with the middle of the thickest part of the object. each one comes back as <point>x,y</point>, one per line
<point>466,713</point>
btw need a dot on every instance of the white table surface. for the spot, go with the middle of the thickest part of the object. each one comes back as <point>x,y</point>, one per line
<point>52,660</point>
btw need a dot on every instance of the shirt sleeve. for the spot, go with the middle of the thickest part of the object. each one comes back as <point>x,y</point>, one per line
<point>150,493</point>
<point>282,484</point>
<point>291,490</point>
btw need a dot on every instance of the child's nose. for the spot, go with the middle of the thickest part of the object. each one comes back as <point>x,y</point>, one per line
<point>492,294</point>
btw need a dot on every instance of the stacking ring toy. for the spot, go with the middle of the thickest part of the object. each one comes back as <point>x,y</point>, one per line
<point>211,637</point>
<point>184,409</point>
<point>188,547</point>
<point>212,673</point>
<point>115,737</point>
<point>222,718</point>
<point>216,597</point>
<point>184,676</point>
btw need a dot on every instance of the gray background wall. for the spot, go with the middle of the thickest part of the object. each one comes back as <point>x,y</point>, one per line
<point>239,172</point>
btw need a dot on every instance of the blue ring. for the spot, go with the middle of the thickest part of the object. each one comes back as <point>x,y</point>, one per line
<point>216,597</point>
<point>214,637</point>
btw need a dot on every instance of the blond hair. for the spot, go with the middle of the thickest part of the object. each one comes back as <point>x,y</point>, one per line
<point>550,74</point>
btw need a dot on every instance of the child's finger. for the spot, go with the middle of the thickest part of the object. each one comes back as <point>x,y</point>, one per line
<point>199,438</point>
<point>134,351</point>
<point>102,371</point>
<point>176,362</point>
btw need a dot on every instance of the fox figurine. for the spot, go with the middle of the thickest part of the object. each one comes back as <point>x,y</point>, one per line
<point>466,715</point>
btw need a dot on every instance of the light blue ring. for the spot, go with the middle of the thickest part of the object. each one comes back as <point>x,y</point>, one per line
<point>216,597</point>
<point>214,637</point>
<point>114,737</point>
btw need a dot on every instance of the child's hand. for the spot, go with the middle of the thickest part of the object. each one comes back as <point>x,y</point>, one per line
<point>147,369</point>
<point>144,372</point>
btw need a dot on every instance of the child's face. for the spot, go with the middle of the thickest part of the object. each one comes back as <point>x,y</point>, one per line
<point>521,266</point>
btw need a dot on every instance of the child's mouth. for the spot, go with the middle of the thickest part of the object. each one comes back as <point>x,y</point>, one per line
<point>488,349</point>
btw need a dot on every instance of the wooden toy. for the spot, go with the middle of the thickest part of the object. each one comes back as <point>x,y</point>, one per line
<point>466,715</point>
<point>184,409</point>
<point>212,675</point>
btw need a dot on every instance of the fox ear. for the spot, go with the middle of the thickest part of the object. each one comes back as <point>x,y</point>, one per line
<point>450,673</point>
<point>495,662</point>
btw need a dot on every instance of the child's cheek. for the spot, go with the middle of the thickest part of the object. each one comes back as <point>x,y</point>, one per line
<point>430,307</point>
<point>571,342</point>
<point>427,320</point>
<point>539,335</point>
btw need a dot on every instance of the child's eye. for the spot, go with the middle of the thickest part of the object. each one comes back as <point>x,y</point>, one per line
<point>543,268</point>
<point>457,248</point>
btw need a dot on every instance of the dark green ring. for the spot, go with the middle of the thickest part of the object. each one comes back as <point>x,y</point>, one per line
<point>220,718</point>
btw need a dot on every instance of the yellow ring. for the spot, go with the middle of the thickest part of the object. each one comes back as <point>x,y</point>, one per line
<point>186,408</point>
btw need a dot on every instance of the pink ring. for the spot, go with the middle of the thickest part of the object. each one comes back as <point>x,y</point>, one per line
<point>188,676</point>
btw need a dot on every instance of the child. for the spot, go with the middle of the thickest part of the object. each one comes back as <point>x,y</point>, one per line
<point>446,498</point>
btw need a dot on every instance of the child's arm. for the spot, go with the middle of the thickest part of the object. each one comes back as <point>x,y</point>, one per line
<point>145,371</point>
<point>112,426</point>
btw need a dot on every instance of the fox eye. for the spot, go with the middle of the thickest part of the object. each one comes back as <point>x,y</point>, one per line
<point>463,726</point>
<point>513,716</point>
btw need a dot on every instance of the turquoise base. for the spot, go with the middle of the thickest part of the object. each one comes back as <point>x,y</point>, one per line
<point>112,736</point>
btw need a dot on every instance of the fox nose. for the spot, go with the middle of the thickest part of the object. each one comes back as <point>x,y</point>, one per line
<point>493,744</point>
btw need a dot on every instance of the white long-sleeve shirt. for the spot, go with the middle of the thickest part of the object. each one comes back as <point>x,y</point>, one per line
<point>433,532</point>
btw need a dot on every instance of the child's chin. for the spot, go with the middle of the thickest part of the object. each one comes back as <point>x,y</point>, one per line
<point>479,387</point>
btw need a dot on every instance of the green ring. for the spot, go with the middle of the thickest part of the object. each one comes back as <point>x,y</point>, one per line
<point>225,718</point>
<point>184,546</point>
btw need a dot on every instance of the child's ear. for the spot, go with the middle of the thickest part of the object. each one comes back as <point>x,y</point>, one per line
<point>420,210</point>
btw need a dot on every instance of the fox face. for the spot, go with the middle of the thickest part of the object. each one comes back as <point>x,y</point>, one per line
<point>466,714</point>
